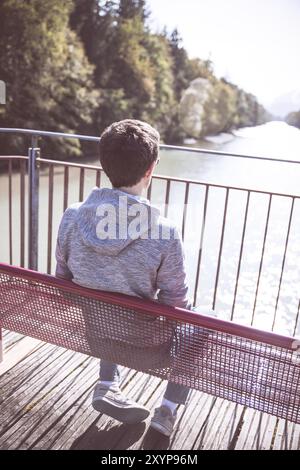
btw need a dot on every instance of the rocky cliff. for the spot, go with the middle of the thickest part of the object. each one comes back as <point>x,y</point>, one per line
<point>213,106</point>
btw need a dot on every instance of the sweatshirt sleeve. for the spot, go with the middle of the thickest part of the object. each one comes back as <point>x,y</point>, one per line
<point>62,271</point>
<point>171,276</point>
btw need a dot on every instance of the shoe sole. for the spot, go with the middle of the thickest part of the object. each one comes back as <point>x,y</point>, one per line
<point>125,415</point>
<point>158,427</point>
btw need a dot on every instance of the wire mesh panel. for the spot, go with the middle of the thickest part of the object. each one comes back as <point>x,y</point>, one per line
<point>91,326</point>
<point>248,372</point>
<point>248,366</point>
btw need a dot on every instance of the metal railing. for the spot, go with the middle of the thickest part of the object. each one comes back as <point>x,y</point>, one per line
<point>218,257</point>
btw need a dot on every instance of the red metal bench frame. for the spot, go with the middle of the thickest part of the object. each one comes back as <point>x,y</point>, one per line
<point>243,364</point>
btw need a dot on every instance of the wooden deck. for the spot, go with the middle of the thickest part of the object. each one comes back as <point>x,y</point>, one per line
<point>45,404</point>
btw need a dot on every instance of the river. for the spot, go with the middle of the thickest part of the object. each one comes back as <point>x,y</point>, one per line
<point>274,139</point>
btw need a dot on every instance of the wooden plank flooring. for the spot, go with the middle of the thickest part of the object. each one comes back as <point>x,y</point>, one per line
<point>45,404</point>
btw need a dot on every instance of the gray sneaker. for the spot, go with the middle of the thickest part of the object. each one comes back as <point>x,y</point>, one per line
<point>112,402</point>
<point>163,420</point>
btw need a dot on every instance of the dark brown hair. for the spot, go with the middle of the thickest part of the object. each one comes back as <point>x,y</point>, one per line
<point>127,150</point>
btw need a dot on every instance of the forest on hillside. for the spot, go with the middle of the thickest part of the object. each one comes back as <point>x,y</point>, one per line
<point>293,119</point>
<point>78,65</point>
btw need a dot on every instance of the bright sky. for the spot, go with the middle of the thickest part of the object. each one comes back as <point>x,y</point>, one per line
<point>253,43</point>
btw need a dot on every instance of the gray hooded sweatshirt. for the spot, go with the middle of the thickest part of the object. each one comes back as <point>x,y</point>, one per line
<point>117,242</point>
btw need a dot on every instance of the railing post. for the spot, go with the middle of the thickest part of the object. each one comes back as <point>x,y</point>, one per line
<point>33,204</point>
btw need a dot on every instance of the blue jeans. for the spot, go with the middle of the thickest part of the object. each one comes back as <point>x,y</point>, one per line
<point>187,338</point>
<point>109,372</point>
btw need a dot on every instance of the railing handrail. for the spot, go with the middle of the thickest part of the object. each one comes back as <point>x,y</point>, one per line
<point>157,177</point>
<point>37,133</point>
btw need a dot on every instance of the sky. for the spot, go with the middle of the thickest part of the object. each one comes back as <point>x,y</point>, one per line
<point>253,43</point>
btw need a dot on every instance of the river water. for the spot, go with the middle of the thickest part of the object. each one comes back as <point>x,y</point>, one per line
<point>276,140</point>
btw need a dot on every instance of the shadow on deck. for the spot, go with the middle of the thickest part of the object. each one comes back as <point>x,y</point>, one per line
<point>45,404</point>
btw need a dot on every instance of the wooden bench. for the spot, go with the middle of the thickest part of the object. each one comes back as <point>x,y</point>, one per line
<point>251,367</point>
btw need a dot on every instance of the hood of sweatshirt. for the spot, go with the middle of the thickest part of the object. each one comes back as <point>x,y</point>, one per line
<point>109,220</point>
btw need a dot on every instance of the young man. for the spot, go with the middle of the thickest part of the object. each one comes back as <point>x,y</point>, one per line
<point>116,241</point>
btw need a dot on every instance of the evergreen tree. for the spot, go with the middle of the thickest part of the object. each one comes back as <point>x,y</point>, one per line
<point>132,66</point>
<point>180,61</point>
<point>185,69</point>
<point>95,23</point>
<point>161,107</point>
<point>129,9</point>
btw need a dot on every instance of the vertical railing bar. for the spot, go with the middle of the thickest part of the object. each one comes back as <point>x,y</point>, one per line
<point>50,218</point>
<point>221,248</point>
<point>262,257</point>
<point>186,199</point>
<point>22,213</point>
<point>201,243</point>
<point>149,192</point>
<point>167,198</point>
<point>297,317</point>
<point>10,210</point>
<point>283,261</point>
<point>98,178</point>
<point>66,187</point>
<point>81,184</point>
<point>33,204</point>
<point>241,254</point>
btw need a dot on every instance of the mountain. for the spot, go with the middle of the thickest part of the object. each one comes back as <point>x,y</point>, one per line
<point>285,104</point>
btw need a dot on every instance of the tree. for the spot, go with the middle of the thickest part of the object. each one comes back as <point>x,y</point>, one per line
<point>180,62</point>
<point>132,67</point>
<point>95,23</point>
<point>78,65</point>
<point>293,119</point>
<point>185,69</point>
<point>161,106</point>
<point>129,9</point>
<point>48,78</point>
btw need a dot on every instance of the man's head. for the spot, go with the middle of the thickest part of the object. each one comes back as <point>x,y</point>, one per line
<point>128,151</point>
